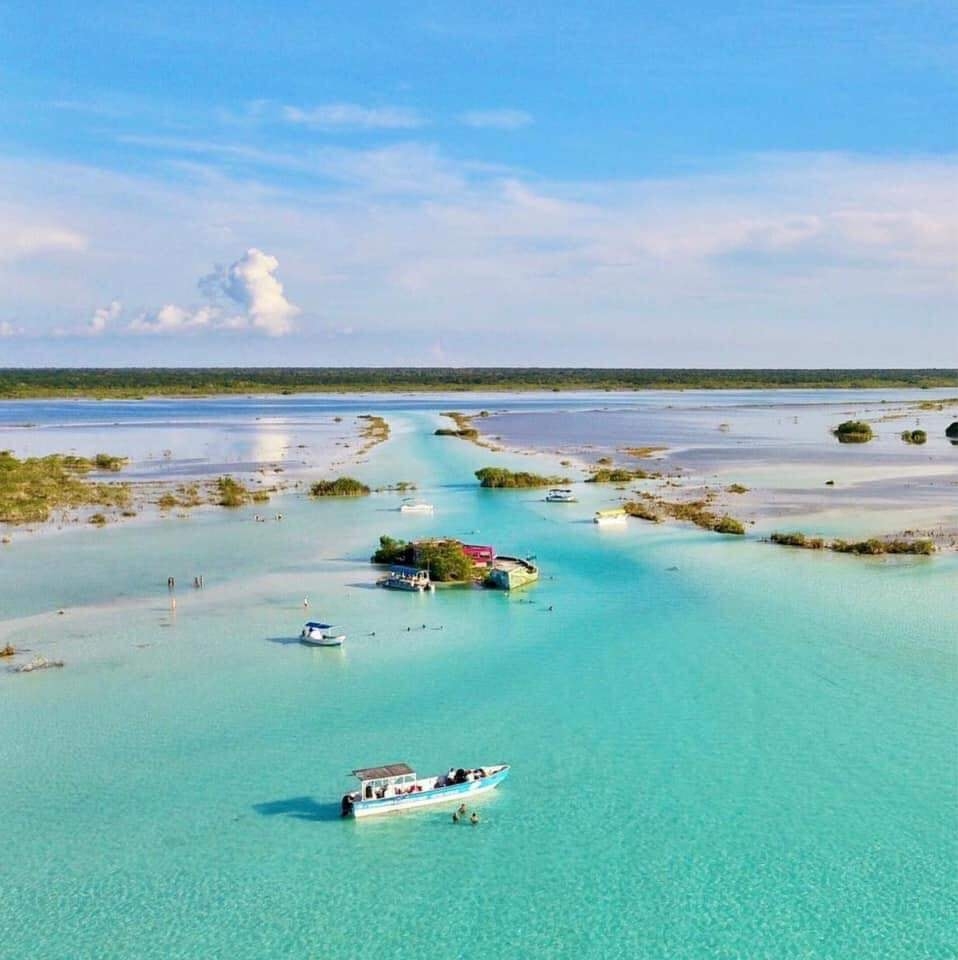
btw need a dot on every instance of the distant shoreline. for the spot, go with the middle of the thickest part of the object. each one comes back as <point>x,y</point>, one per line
<point>140,383</point>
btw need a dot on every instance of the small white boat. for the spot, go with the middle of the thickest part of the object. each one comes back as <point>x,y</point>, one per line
<point>318,635</point>
<point>561,495</point>
<point>407,578</point>
<point>395,787</point>
<point>610,518</point>
<point>415,506</point>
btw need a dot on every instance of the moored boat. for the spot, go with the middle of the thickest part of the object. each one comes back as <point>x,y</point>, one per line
<point>415,506</point>
<point>561,495</point>
<point>316,634</point>
<point>407,578</point>
<point>510,573</point>
<point>608,518</point>
<point>394,787</point>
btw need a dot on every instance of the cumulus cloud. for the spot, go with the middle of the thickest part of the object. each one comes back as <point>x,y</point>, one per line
<point>249,283</point>
<point>496,119</point>
<point>102,317</point>
<point>353,116</point>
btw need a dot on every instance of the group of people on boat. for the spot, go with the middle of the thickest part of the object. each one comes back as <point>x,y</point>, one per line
<point>460,775</point>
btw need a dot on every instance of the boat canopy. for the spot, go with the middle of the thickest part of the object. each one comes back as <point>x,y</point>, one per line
<point>384,773</point>
<point>406,571</point>
<point>314,625</point>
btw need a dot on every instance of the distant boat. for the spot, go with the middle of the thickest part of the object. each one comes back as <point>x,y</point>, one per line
<point>317,635</point>
<point>407,578</point>
<point>415,506</point>
<point>395,787</point>
<point>560,495</point>
<point>510,573</point>
<point>608,518</point>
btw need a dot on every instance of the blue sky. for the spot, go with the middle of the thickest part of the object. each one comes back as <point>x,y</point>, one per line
<point>712,184</point>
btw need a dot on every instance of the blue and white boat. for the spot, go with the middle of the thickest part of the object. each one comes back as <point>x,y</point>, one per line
<point>316,634</point>
<point>395,787</point>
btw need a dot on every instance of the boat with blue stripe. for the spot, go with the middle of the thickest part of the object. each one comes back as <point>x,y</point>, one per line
<point>394,788</point>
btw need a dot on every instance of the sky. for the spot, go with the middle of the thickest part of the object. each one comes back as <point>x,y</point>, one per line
<point>711,184</point>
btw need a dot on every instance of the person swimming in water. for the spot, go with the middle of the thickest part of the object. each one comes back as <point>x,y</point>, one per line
<point>474,819</point>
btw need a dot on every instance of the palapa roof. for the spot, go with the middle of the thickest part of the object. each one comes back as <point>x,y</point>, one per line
<point>382,773</point>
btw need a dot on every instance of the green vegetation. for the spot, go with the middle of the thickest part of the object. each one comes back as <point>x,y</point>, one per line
<point>692,511</point>
<point>875,547</point>
<point>798,540</point>
<point>619,475</point>
<point>853,431</point>
<point>640,453</point>
<point>500,479</point>
<point>31,489</point>
<point>125,382</point>
<point>445,560</point>
<point>729,524</point>
<point>642,510</point>
<point>376,430</point>
<point>736,488</point>
<point>340,487</point>
<point>103,461</point>
<point>186,495</point>
<point>914,436</point>
<point>392,551</point>
<point>231,493</point>
<point>871,548</point>
<point>97,519</point>
<point>952,431</point>
<point>463,429</point>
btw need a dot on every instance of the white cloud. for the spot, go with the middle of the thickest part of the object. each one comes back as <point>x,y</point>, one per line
<point>249,282</point>
<point>102,317</point>
<point>496,119</point>
<point>353,116</point>
<point>28,240</point>
<point>7,329</point>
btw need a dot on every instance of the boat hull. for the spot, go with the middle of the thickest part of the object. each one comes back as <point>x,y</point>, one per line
<point>428,798</point>
<point>322,641</point>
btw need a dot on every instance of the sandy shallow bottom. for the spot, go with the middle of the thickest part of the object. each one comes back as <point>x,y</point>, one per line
<point>719,748</point>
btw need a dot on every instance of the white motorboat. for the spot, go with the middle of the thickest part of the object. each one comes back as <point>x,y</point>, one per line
<point>415,506</point>
<point>561,495</point>
<point>411,579</point>
<point>395,787</point>
<point>316,634</point>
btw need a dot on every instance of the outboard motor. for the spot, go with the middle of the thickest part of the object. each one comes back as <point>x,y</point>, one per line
<point>346,807</point>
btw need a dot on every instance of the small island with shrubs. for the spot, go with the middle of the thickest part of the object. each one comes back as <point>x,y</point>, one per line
<point>952,431</point>
<point>853,431</point>
<point>619,475</point>
<point>445,560</point>
<point>498,478</point>
<point>699,512</point>
<point>340,487</point>
<point>916,437</point>
<point>464,429</point>
<point>33,488</point>
<point>873,547</point>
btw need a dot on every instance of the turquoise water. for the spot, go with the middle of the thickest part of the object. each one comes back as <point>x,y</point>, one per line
<point>719,749</point>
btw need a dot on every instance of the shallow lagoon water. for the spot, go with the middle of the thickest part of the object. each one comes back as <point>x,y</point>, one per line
<point>719,749</point>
